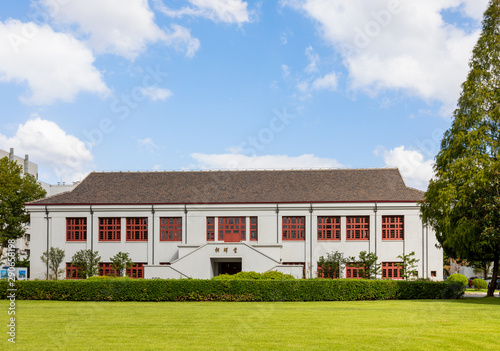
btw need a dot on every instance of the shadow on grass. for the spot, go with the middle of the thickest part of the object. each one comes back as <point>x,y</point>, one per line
<point>476,300</point>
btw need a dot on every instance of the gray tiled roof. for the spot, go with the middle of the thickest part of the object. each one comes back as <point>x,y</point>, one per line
<point>219,187</point>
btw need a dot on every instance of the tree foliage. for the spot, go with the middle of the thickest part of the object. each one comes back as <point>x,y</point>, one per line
<point>330,266</point>
<point>53,259</point>
<point>368,264</point>
<point>408,265</point>
<point>15,191</point>
<point>87,262</point>
<point>462,202</point>
<point>121,262</point>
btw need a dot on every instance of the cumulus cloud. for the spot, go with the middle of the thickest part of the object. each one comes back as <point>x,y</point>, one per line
<point>123,28</point>
<point>399,44</point>
<point>238,161</point>
<point>65,156</point>
<point>54,66</point>
<point>415,169</point>
<point>228,11</point>
<point>147,144</point>
<point>327,82</point>
<point>156,93</point>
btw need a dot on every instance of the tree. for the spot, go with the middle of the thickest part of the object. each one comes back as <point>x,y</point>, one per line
<point>87,262</point>
<point>330,266</point>
<point>121,262</point>
<point>368,263</point>
<point>53,259</point>
<point>462,202</point>
<point>15,191</point>
<point>408,266</point>
<point>481,267</point>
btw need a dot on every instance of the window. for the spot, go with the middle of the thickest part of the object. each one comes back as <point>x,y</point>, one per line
<point>358,228</point>
<point>27,237</point>
<point>294,228</point>
<point>328,228</point>
<point>137,229</point>
<point>72,272</point>
<point>76,229</point>
<point>393,227</point>
<point>105,269</point>
<point>232,229</point>
<point>433,273</point>
<point>210,228</point>
<point>392,270</point>
<point>110,229</point>
<point>353,272</point>
<point>254,232</point>
<point>136,271</point>
<point>330,274</point>
<point>171,229</point>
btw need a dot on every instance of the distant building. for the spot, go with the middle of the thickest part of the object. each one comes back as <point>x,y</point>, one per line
<point>202,224</point>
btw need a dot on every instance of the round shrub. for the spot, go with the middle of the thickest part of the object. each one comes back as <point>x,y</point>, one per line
<point>479,284</point>
<point>276,275</point>
<point>460,278</point>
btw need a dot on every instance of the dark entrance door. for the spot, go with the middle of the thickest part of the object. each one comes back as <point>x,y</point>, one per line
<point>229,267</point>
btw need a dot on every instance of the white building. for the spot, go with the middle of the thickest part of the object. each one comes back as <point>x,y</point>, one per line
<point>201,224</point>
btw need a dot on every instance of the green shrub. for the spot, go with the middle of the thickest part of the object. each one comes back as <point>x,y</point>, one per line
<point>460,278</point>
<point>479,284</point>
<point>126,289</point>
<point>254,275</point>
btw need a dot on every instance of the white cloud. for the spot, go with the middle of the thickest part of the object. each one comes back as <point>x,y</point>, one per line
<point>398,44</point>
<point>147,144</point>
<point>327,82</point>
<point>180,38</point>
<point>413,167</point>
<point>156,93</point>
<point>238,161</point>
<point>51,148</point>
<point>228,11</point>
<point>313,59</point>
<point>55,66</point>
<point>285,71</point>
<point>123,28</point>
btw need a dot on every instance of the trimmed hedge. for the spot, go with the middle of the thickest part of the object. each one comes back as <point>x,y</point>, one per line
<point>231,290</point>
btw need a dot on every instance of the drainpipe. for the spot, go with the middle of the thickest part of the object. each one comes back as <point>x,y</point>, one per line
<point>375,210</point>
<point>48,243</point>
<point>91,229</point>
<point>277,224</point>
<point>186,220</point>
<point>311,238</point>
<point>153,232</point>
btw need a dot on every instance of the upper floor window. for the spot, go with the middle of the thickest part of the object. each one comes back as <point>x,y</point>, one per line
<point>329,228</point>
<point>137,229</point>
<point>76,229</point>
<point>254,233</point>
<point>210,228</point>
<point>171,229</point>
<point>109,229</point>
<point>294,228</point>
<point>232,229</point>
<point>358,228</point>
<point>393,227</point>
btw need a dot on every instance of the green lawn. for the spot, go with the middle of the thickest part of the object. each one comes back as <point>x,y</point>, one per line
<point>466,324</point>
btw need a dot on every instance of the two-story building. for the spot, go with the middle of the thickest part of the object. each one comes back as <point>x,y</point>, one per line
<point>200,224</point>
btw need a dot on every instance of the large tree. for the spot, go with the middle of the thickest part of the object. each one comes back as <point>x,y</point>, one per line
<point>462,202</point>
<point>15,190</point>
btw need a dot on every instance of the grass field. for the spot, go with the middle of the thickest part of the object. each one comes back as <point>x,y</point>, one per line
<point>466,324</point>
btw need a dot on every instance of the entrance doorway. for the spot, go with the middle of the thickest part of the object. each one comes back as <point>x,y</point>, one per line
<point>229,267</point>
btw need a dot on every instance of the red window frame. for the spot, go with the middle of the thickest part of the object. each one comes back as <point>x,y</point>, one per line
<point>358,228</point>
<point>72,272</point>
<point>328,228</point>
<point>106,269</point>
<point>210,228</point>
<point>109,229</point>
<point>321,274</point>
<point>294,228</point>
<point>393,227</point>
<point>170,228</point>
<point>232,229</point>
<point>76,229</point>
<point>137,229</point>
<point>254,228</point>
<point>136,271</point>
<point>353,272</point>
<point>392,270</point>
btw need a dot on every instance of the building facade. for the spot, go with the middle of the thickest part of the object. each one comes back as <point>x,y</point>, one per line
<point>202,224</point>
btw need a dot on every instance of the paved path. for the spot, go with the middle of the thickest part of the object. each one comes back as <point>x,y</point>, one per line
<point>477,294</point>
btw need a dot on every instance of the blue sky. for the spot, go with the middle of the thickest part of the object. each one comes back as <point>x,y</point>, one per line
<point>136,85</point>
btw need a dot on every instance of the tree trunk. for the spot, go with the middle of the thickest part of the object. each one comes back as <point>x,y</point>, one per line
<point>494,276</point>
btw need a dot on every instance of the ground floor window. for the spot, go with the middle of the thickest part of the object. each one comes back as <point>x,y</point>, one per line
<point>328,273</point>
<point>392,270</point>
<point>136,271</point>
<point>106,269</point>
<point>72,272</point>
<point>353,272</point>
